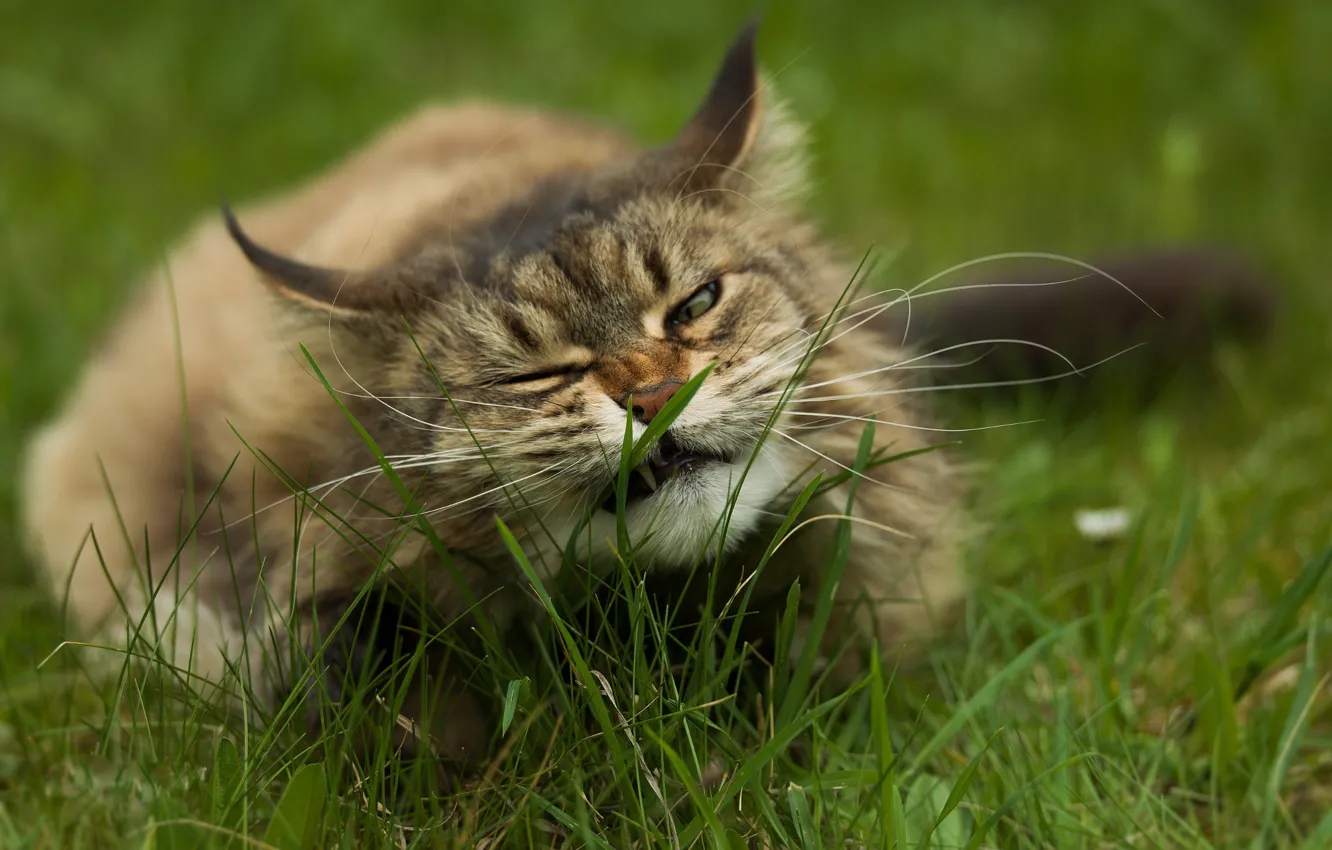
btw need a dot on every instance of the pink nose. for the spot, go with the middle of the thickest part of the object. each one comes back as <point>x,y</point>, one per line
<point>648,401</point>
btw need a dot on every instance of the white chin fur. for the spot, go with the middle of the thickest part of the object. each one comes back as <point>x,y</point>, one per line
<point>675,525</point>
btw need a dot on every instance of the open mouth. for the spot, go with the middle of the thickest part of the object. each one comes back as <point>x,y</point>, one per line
<point>653,474</point>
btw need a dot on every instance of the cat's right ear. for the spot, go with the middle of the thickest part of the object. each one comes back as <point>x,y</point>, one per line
<point>742,138</point>
<point>341,293</point>
<point>722,131</point>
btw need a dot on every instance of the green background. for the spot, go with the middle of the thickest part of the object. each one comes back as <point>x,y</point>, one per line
<point>952,130</point>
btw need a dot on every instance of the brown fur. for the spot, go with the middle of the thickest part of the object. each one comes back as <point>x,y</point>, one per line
<point>510,242</point>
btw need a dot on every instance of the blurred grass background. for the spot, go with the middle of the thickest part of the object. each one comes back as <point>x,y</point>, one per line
<point>956,129</point>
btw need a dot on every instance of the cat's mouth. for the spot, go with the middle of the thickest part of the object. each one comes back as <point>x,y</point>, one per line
<point>670,464</point>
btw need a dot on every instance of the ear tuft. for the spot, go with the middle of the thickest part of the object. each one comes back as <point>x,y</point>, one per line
<point>777,164</point>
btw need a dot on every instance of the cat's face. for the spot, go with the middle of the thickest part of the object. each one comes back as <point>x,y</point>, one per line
<point>547,332</point>
<point>594,322</point>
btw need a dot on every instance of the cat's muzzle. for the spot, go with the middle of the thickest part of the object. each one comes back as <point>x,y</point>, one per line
<point>669,462</point>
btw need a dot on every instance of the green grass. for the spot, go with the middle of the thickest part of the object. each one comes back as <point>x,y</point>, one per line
<point>1088,698</point>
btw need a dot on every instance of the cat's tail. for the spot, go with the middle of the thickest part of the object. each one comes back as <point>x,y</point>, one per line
<point>1148,312</point>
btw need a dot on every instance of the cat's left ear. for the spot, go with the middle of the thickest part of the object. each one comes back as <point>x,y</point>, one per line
<point>338,293</point>
<point>742,138</point>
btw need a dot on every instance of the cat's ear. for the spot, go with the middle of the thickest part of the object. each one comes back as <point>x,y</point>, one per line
<point>742,137</point>
<point>341,293</point>
<point>723,128</point>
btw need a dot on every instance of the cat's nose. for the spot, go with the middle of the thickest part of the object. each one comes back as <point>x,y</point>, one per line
<point>648,401</point>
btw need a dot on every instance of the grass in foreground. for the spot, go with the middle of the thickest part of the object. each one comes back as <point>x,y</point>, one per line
<point>1060,707</point>
<point>624,725</point>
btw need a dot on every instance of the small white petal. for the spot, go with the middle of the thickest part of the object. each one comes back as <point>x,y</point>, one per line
<point>1105,524</point>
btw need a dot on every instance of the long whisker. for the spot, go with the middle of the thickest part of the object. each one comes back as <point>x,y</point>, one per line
<point>1026,255</point>
<point>907,297</point>
<point>779,432</point>
<point>961,287</point>
<point>346,520</point>
<point>494,489</point>
<point>484,506</point>
<point>938,351</point>
<point>449,456</point>
<point>529,489</point>
<point>844,418</point>
<point>440,398</point>
<point>914,292</point>
<point>410,462</point>
<point>332,345</point>
<point>968,386</point>
<point>873,312</point>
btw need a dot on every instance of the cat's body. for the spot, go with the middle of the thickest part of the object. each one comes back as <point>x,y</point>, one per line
<point>513,244</point>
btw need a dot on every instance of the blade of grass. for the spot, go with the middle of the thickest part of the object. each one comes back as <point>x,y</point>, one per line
<point>987,695</point>
<point>1275,637</point>
<point>701,803</point>
<point>998,814</point>
<point>1297,721</point>
<point>890,801</point>
<point>831,580</point>
<point>576,657</point>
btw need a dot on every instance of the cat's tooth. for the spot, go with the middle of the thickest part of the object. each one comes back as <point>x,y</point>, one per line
<point>646,471</point>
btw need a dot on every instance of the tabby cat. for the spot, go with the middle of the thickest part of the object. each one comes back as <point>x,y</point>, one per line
<point>492,294</point>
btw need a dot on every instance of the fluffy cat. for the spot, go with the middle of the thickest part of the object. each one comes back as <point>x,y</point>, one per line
<point>556,279</point>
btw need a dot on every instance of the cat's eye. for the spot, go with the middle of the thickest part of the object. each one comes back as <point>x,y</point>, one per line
<point>699,302</point>
<point>566,371</point>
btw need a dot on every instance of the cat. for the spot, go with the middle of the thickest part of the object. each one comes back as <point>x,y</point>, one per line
<point>491,292</point>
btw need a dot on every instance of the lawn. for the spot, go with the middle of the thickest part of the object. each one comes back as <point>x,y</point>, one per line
<point>1167,689</point>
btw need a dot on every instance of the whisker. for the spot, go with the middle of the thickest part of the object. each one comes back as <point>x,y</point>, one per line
<point>345,520</point>
<point>874,313</point>
<point>484,493</point>
<point>779,432</point>
<point>332,345</point>
<point>408,462</point>
<point>406,519</point>
<point>440,398</point>
<point>914,292</point>
<point>844,418</point>
<point>938,351</point>
<point>968,386</point>
<point>530,488</point>
<point>961,287</point>
<point>1025,255</point>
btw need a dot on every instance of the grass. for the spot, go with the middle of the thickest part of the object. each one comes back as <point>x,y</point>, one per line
<point>1167,689</point>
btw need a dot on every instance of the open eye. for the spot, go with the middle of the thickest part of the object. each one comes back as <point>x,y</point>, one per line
<point>701,301</point>
<point>566,371</point>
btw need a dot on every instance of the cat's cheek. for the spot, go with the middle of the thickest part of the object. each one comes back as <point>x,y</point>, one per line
<point>706,406</point>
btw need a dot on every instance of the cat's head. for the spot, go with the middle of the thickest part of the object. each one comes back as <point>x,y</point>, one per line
<point>594,299</point>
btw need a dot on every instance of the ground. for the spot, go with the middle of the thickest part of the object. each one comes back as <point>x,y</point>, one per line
<point>1168,689</point>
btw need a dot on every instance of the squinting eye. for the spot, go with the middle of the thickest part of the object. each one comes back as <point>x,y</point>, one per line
<point>701,301</point>
<point>545,374</point>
